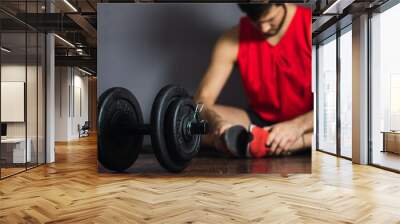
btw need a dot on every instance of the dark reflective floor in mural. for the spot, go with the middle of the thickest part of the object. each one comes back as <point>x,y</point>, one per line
<point>210,162</point>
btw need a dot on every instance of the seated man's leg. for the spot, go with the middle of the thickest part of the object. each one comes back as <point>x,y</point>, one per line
<point>233,115</point>
<point>237,116</point>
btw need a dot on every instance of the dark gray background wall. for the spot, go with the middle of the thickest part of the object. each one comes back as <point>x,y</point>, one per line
<point>143,47</point>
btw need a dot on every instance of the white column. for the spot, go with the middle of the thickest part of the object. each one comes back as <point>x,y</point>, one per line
<point>50,93</point>
<point>314,84</point>
<point>360,90</point>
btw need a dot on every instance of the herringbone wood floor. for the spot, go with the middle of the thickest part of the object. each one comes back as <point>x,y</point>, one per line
<point>72,191</point>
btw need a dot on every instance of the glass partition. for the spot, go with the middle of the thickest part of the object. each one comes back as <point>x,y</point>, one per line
<point>15,150</point>
<point>22,88</point>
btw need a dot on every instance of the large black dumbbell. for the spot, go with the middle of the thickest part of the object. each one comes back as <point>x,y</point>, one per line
<point>175,128</point>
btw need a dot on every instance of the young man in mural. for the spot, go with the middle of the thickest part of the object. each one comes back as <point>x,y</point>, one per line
<point>272,48</point>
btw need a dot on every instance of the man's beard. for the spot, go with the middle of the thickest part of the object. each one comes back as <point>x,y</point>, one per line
<point>270,33</point>
<point>274,32</point>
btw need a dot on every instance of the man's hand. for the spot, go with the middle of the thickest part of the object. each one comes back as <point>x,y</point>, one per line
<point>283,135</point>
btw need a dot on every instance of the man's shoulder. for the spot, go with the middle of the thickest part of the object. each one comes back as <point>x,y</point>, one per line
<point>231,34</point>
<point>227,44</point>
<point>304,10</point>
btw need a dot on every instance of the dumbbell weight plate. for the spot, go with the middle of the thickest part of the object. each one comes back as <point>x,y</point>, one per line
<point>103,96</point>
<point>118,112</point>
<point>165,97</point>
<point>182,145</point>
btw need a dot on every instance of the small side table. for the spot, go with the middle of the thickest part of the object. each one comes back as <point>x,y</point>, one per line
<point>391,141</point>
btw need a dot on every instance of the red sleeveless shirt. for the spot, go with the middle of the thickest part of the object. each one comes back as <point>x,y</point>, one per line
<point>277,79</point>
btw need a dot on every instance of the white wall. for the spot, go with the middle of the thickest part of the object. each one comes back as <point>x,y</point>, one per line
<point>70,83</point>
<point>62,81</point>
<point>79,117</point>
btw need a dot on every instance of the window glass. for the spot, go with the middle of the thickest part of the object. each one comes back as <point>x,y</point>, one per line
<point>385,89</point>
<point>346,93</point>
<point>327,96</point>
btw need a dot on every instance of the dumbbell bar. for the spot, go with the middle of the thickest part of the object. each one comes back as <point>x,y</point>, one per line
<point>192,128</point>
<point>175,128</point>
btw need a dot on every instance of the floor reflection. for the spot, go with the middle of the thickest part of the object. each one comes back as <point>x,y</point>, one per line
<point>386,159</point>
<point>210,162</point>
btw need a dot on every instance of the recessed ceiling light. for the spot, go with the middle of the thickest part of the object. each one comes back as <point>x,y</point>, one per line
<point>84,71</point>
<point>5,50</point>
<point>65,41</point>
<point>70,5</point>
<point>337,7</point>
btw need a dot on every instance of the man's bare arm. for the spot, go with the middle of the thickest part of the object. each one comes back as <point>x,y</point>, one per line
<point>221,65</point>
<point>305,121</point>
